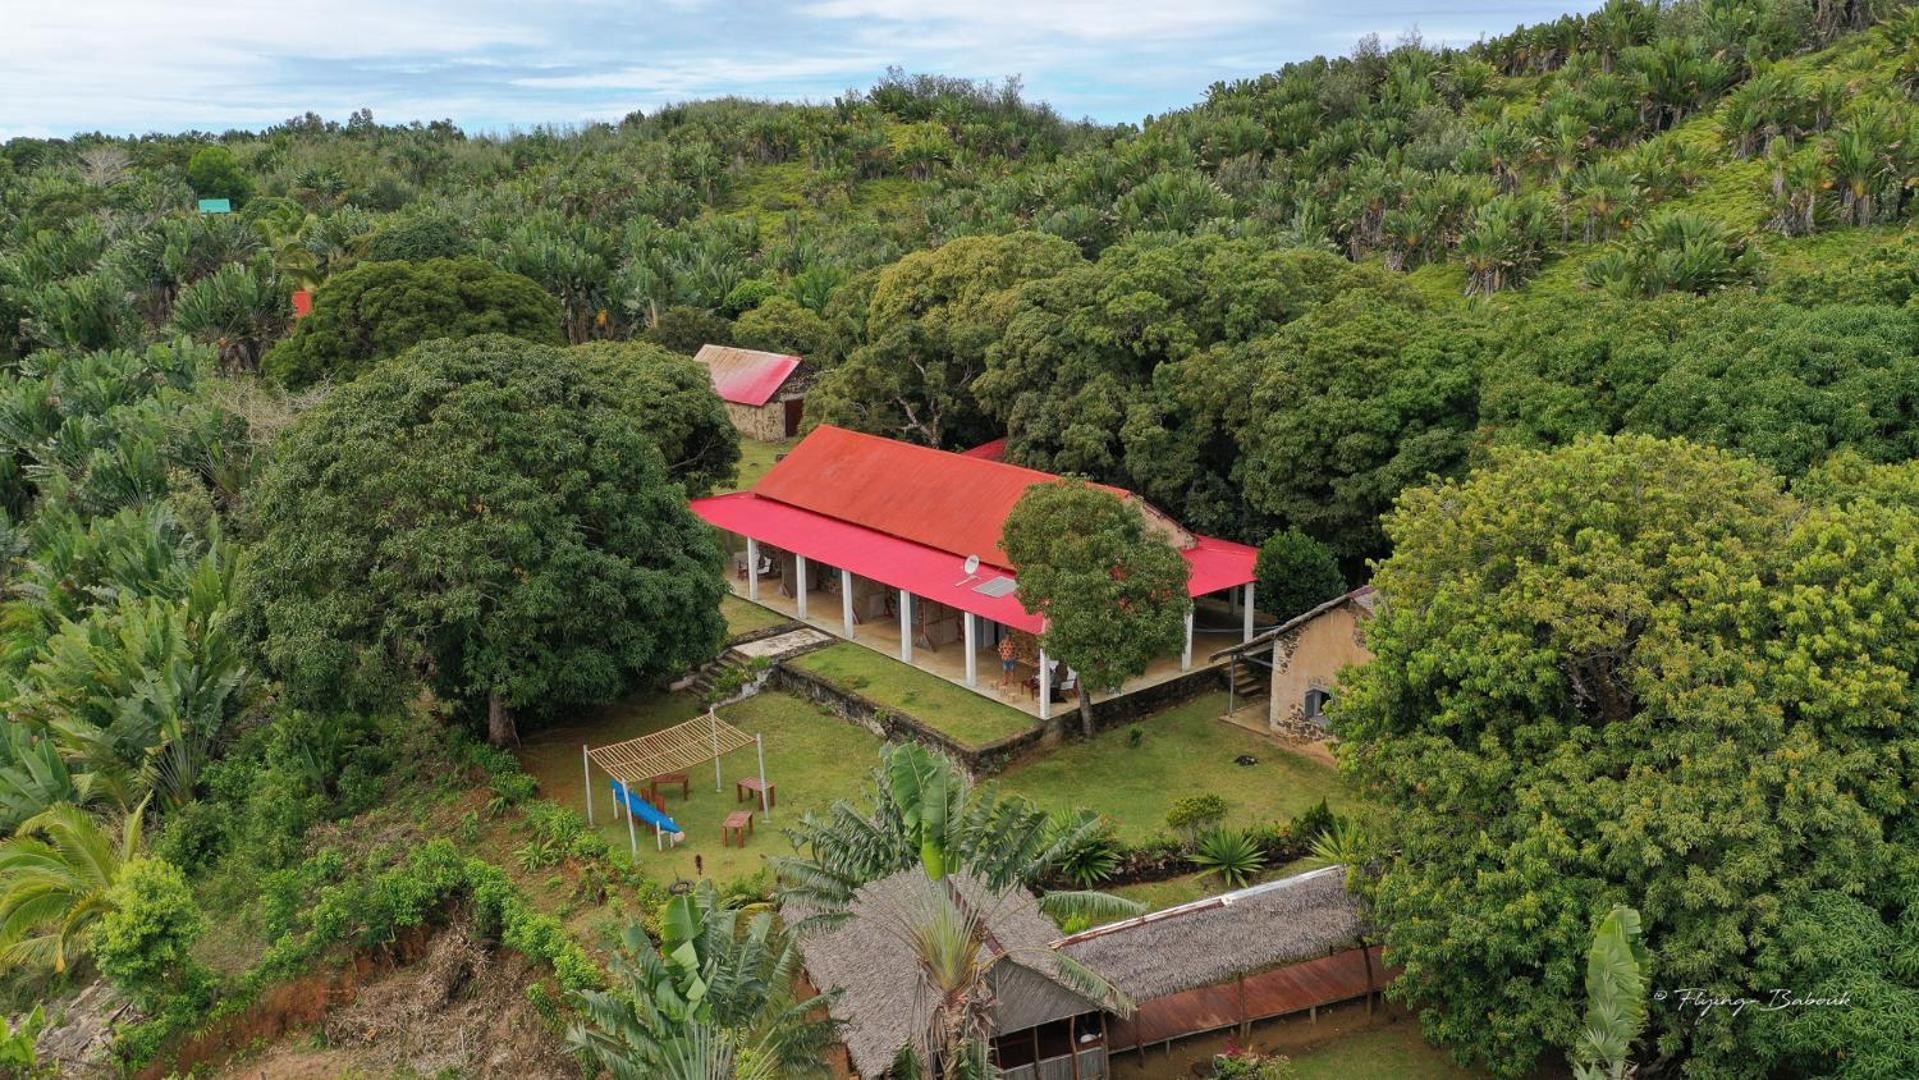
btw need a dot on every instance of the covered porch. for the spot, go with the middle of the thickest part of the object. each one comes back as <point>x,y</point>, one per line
<point>949,635</point>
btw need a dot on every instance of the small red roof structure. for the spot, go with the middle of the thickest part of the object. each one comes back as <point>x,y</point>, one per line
<point>991,451</point>
<point>908,515</point>
<point>746,376</point>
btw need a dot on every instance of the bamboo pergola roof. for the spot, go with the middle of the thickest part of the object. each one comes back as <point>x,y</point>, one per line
<point>675,749</point>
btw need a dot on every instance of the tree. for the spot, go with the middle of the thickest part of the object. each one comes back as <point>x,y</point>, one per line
<point>713,1000</point>
<point>1616,975</point>
<point>215,174</point>
<point>56,874</point>
<point>677,406</point>
<point>1358,399</point>
<point>1111,591</point>
<point>779,324</point>
<point>932,318</point>
<point>923,812</point>
<point>378,310</point>
<point>1635,666</point>
<point>1296,574</point>
<point>486,514</point>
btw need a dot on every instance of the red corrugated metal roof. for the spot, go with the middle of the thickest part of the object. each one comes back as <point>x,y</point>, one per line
<point>931,497</point>
<point>928,572</point>
<point>746,376</point>
<point>991,451</point>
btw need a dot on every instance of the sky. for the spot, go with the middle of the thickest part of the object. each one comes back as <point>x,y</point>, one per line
<point>134,66</point>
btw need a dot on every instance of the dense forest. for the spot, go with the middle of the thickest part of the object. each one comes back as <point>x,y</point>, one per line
<point>1635,288</point>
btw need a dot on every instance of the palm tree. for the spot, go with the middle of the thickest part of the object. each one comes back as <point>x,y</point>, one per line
<point>713,1001</point>
<point>923,812</point>
<point>54,876</point>
<point>945,932</point>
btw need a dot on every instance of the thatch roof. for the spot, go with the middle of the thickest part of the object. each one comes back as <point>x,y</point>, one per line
<point>867,959</point>
<point>1217,939</point>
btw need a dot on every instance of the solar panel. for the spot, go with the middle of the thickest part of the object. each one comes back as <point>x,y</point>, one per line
<point>999,586</point>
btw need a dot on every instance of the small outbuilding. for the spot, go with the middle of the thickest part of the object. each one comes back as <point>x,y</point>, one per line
<point>1308,652</point>
<point>765,393</point>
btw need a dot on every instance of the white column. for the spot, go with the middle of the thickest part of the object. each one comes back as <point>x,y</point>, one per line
<point>799,583</point>
<point>906,626</point>
<point>715,717</point>
<point>1045,687</point>
<point>766,807</point>
<point>586,763</point>
<point>752,569</point>
<point>1186,653</point>
<point>972,649</point>
<point>1247,608</point>
<point>846,601</point>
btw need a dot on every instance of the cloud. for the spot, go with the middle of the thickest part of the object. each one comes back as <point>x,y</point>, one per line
<point>168,65</point>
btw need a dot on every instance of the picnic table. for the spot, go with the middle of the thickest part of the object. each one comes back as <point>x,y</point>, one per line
<point>768,793</point>
<point>668,779</point>
<point>738,823</point>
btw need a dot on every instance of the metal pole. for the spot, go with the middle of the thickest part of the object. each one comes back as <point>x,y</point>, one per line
<point>715,717</point>
<point>766,807</point>
<point>586,763</point>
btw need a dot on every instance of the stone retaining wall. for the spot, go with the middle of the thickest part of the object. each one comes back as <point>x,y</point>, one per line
<point>894,725</point>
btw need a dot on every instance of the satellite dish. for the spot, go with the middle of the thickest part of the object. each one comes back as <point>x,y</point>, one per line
<point>971,566</point>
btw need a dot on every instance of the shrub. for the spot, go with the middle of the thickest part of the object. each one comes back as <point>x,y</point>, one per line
<point>1193,815</point>
<point>143,943</point>
<point>1094,859</point>
<point>685,329</point>
<point>1232,854</point>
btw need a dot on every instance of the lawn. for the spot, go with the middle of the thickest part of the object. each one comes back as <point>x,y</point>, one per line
<point>1186,750</point>
<point>967,717</point>
<point>756,457</point>
<point>1346,1043</point>
<point>744,616</point>
<point>1387,1053</point>
<point>811,758</point>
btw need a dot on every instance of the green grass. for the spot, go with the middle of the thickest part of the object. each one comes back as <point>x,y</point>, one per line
<point>755,458</point>
<point>967,717</point>
<point>812,759</point>
<point>744,616</point>
<point>1396,1052</point>
<point>1187,750</point>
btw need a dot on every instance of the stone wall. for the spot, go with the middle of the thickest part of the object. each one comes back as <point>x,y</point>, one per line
<point>766,423</point>
<point>1134,707</point>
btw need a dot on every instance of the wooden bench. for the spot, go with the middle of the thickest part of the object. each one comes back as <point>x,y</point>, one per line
<point>738,823</point>
<point>768,793</point>
<point>670,778</point>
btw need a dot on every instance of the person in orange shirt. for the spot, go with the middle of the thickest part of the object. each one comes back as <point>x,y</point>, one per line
<point>1008,660</point>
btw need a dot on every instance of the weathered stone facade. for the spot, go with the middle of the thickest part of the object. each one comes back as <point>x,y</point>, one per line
<point>1308,655</point>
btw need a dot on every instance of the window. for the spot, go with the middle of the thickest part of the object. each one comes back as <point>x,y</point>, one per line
<point>1316,702</point>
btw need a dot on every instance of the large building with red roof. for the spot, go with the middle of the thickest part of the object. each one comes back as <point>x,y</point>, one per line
<point>898,546</point>
<point>764,392</point>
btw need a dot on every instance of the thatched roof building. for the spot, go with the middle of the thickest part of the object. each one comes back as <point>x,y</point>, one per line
<point>1218,939</point>
<point>867,958</point>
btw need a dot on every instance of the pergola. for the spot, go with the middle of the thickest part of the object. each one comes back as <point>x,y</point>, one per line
<point>635,762</point>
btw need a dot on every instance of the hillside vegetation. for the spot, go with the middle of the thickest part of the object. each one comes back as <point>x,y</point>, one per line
<point>251,562</point>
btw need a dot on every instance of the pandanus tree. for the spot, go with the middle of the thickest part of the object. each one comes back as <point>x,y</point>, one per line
<point>713,1000</point>
<point>923,812</point>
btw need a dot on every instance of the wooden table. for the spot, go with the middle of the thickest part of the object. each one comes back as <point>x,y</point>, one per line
<point>738,823</point>
<point>680,778</point>
<point>769,793</point>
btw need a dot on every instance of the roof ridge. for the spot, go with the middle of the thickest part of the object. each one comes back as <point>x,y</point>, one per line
<point>1191,907</point>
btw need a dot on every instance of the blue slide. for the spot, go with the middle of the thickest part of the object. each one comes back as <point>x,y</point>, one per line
<point>644,810</point>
